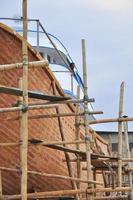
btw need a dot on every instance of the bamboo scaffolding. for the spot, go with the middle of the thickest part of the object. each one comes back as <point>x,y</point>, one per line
<point>35,64</point>
<point>41,195</point>
<point>88,149</point>
<point>120,135</point>
<point>24,119</point>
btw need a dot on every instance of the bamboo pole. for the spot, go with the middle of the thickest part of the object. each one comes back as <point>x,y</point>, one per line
<point>56,176</point>
<point>24,119</point>
<point>125,126</point>
<point>121,99</point>
<point>69,166</point>
<point>35,64</point>
<point>88,139</point>
<point>20,83</point>
<point>109,120</point>
<point>42,142</point>
<point>1,192</point>
<point>21,108</point>
<point>77,136</point>
<point>112,197</point>
<point>41,195</point>
<point>62,102</point>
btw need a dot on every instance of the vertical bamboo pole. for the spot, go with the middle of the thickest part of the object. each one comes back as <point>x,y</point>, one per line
<point>20,83</point>
<point>120,113</point>
<point>87,136</point>
<point>0,185</point>
<point>125,126</point>
<point>77,136</point>
<point>24,119</point>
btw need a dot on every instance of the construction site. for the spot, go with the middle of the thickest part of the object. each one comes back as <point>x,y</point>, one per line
<point>48,149</point>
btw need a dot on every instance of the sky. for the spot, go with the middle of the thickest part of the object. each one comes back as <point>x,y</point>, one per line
<point>107,26</point>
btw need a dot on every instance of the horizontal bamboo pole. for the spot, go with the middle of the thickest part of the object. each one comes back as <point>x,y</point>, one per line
<point>41,195</point>
<point>117,189</point>
<point>112,197</point>
<point>53,115</point>
<point>63,102</point>
<point>34,64</point>
<point>21,108</point>
<point>110,120</point>
<point>51,175</point>
<point>44,143</point>
<point>103,160</point>
<point>112,160</point>
<point>63,115</point>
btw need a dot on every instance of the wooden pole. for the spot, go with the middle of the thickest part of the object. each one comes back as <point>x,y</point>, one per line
<point>24,119</point>
<point>35,64</point>
<point>125,126</point>
<point>77,136</point>
<point>69,165</point>
<point>87,136</point>
<point>120,135</point>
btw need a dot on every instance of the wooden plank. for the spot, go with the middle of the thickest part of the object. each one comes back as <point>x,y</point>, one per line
<point>31,94</point>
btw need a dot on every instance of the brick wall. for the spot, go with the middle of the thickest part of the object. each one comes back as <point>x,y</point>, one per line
<point>39,158</point>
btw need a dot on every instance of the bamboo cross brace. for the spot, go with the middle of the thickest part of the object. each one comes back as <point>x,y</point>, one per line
<point>51,175</point>
<point>43,143</point>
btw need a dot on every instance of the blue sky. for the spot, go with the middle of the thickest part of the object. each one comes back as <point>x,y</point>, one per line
<point>107,26</point>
